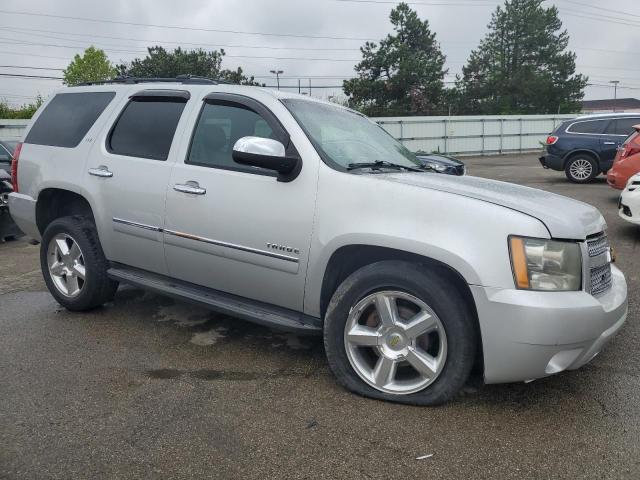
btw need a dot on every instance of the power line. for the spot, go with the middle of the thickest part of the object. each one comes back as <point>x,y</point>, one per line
<point>31,68</point>
<point>20,75</point>
<point>601,8</point>
<point>448,4</point>
<point>181,27</point>
<point>31,30</point>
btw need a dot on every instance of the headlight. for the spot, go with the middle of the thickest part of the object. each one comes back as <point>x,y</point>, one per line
<point>540,264</point>
<point>436,166</point>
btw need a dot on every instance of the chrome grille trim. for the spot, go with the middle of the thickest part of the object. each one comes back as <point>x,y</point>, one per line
<point>600,279</point>
<point>598,245</point>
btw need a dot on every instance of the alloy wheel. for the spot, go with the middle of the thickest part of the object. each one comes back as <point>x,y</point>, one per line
<point>581,169</point>
<point>395,342</point>
<point>66,265</point>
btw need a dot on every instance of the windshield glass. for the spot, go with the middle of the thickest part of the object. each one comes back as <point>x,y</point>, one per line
<point>344,138</point>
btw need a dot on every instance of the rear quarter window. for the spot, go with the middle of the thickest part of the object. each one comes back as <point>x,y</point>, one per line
<point>588,126</point>
<point>67,118</point>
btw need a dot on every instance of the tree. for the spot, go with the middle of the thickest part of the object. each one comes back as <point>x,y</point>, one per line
<point>522,66</point>
<point>23,112</point>
<point>403,75</point>
<point>200,63</point>
<point>92,66</point>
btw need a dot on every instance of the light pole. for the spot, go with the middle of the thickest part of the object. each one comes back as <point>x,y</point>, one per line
<point>277,74</point>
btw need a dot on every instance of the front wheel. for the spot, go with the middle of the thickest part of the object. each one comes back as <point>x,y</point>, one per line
<point>398,331</point>
<point>73,264</point>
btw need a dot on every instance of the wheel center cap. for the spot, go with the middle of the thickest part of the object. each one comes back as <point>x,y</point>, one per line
<point>396,341</point>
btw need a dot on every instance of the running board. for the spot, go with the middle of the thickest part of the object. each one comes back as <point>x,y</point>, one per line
<point>236,306</point>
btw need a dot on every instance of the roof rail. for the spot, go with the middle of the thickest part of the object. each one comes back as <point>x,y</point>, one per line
<point>185,79</point>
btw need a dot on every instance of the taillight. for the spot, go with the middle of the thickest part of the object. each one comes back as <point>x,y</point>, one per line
<point>14,167</point>
<point>551,139</point>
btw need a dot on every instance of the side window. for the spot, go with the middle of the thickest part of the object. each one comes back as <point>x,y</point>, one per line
<point>622,126</point>
<point>146,127</point>
<point>218,129</point>
<point>588,126</point>
<point>67,118</point>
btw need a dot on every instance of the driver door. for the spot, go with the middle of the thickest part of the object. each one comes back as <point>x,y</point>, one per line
<point>238,229</point>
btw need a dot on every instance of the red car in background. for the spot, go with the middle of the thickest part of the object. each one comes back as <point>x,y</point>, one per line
<point>627,161</point>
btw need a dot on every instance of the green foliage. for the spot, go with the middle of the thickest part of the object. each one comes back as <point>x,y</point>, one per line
<point>521,66</point>
<point>92,66</point>
<point>403,75</point>
<point>201,63</point>
<point>25,111</point>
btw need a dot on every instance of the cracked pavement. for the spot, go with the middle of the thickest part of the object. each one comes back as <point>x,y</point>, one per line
<point>149,387</point>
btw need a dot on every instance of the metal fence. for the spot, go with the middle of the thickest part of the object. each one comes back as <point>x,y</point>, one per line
<point>472,135</point>
<point>464,135</point>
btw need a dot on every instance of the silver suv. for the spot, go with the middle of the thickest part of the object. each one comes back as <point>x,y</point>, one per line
<point>303,215</point>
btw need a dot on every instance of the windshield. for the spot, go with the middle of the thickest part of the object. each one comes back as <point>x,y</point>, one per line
<point>344,138</point>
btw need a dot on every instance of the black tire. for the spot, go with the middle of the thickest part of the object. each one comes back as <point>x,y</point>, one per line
<point>97,288</point>
<point>431,287</point>
<point>571,169</point>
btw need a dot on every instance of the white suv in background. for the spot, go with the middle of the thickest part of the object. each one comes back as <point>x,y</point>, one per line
<point>300,214</point>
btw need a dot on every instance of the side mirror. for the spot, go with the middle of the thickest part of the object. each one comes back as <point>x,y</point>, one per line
<point>266,153</point>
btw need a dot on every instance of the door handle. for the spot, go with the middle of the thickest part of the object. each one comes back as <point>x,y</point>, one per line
<point>609,143</point>
<point>190,187</point>
<point>101,171</point>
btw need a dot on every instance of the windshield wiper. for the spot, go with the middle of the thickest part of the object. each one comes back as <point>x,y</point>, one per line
<point>378,164</point>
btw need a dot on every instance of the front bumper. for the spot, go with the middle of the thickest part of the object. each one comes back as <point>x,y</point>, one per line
<point>528,335</point>
<point>629,206</point>
<point>615,180</point>
<point>551,161</point>
<point>23,210</point>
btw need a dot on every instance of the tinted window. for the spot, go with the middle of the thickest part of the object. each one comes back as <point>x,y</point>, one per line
<point>67,118</point>
<point>622,126</point>
<point>146,127</point>
<point>590,126</point>
<point>219,128</point>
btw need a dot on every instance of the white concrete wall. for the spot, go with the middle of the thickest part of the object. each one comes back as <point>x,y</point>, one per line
<point>479,135</point>
<point>12,129</point>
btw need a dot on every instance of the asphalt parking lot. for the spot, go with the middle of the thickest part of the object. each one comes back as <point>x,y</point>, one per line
<point>148,387</point>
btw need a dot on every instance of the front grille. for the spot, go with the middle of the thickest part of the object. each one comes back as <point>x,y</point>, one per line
<point>600,279</point>
<point>598,245</point>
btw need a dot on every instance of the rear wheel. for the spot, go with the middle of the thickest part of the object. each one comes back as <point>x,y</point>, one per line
<point>73,264</point>
<point>581,168</point>
<point>398,331</point>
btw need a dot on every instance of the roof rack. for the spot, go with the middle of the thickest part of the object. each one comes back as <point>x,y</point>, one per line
<point>185,79</point>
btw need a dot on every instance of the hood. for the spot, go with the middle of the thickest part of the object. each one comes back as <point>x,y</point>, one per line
<point>563,217</point>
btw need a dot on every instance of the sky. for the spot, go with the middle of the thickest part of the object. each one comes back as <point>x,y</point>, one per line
<point>314,41</point>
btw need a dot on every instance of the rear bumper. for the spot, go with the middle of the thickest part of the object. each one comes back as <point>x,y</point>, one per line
<point>23,211</point>
<point>553,162</point>
<point>528,335</point>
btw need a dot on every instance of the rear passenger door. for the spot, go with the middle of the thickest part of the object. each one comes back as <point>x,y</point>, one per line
<point>128,172</point>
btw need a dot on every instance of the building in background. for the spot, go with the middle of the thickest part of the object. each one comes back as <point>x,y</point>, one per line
<point>611,105</point>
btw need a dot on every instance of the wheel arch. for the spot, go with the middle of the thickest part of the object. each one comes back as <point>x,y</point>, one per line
<point>349,258</point>
<point>54,202</point>
<point>578,151</point>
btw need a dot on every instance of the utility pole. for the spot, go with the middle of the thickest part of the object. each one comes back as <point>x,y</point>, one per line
<point>298,85</point>
<point>615,92</point>
<point>277,74</point>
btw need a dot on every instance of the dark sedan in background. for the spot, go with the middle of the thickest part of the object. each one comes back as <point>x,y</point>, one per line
<point>585,147</point>
<point>441,163</point>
